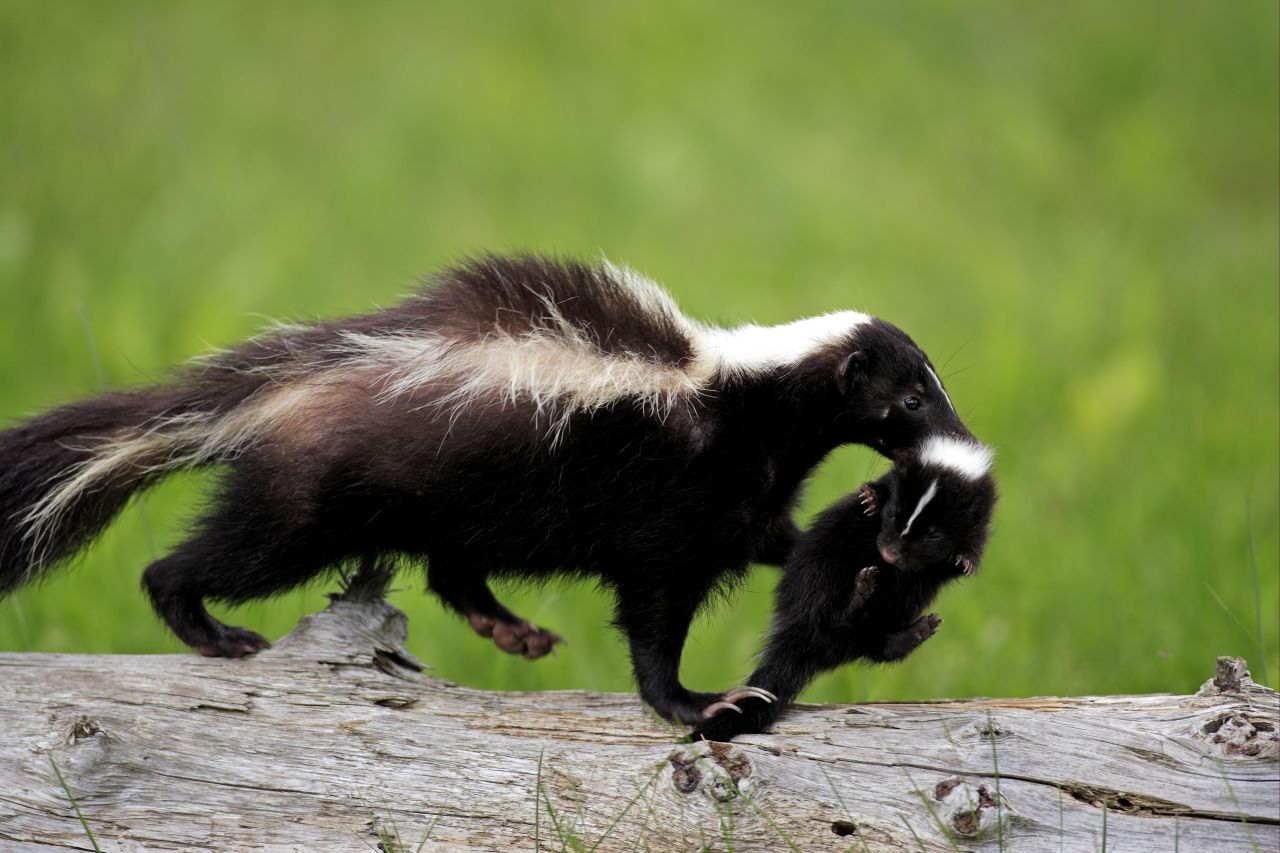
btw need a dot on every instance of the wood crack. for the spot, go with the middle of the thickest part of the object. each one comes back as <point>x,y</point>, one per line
<point>1094,795</point>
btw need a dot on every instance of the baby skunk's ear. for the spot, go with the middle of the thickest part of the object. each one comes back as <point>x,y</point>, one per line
<point>851,367</point>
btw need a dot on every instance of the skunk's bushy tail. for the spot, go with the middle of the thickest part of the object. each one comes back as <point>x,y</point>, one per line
<point>66,473</point>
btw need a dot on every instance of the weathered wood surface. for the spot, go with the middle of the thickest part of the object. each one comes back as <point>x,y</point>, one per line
<point>336,732</point>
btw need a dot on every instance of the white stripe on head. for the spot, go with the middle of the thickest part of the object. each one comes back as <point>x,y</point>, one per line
<point>938,382</point>
<point>754,349</point>
<point>966,457</point>
<point>924,502</point>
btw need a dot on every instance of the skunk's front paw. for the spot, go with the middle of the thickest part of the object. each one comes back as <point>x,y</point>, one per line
<point>867,497</point>
<point>863,586</point>
<point>966,564</point>
<point>721,729</point>
<point>695,708</point>
<point>725,719</point>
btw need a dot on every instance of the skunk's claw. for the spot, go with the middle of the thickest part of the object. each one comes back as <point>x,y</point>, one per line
<point>729,701</point>
<point>966,564</point>
<point>747,692</point>
<point>867,497</point>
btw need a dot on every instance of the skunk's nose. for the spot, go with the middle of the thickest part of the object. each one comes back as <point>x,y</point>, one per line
<point>890,555</point>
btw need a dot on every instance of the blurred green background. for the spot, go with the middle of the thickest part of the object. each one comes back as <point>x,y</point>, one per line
<point>1072,207</point>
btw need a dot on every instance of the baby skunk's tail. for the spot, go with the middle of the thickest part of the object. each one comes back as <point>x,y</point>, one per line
<point>66,473</point>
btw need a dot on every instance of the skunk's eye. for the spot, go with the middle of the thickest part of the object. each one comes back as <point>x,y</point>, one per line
<point>912,403</point>
<point>934,536</point>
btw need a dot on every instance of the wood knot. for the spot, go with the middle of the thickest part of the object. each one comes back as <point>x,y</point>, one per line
<point>1235,734</point>
<point>685,774</point>
<point>718,768</point>
<point>83,727</point>
<point>989,729</point>
<point>971,811</point>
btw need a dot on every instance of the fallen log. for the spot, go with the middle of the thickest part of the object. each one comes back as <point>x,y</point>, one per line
<point>338,739</point>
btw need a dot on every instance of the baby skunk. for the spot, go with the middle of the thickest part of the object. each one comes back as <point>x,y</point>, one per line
<point>858,580</point>
<point>518,417</point>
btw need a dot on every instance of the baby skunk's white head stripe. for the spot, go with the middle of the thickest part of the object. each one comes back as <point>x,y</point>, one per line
<point>938,382</point>
<point>924,502</point>
<point>752,348</point>
<point>966,457</point>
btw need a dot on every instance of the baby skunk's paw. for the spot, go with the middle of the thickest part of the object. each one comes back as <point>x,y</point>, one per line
<point>863,586</point>
<point>867,497</point>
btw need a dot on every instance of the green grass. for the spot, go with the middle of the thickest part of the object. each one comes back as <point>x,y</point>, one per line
<point>1071,207</point>
<point>66,789</point>
<point>387,834</point>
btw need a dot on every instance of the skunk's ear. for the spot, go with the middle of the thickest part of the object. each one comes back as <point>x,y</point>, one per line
<point>850,368</point>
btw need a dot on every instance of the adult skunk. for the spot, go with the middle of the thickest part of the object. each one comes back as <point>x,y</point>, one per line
<point>858,580</point>
<point>519,416</point>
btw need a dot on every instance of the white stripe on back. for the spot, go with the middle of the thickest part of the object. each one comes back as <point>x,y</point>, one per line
<point>753,349</point>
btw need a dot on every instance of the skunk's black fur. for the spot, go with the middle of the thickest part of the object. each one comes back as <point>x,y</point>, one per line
<point>841,599</point>
<point>519,417</point>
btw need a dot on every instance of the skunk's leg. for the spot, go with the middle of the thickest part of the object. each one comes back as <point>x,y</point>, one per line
<point>213,565</point>
<point>901,643</point>
<point>250,546</point>
<point>487,616</point>
<point>779,539</point>
<point>656,621</point>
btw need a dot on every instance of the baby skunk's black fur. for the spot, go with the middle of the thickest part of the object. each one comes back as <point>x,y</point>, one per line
<point>520,416</point>
<point>859,579</point>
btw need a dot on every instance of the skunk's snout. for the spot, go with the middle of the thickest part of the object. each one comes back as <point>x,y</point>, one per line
<point>890,554</point>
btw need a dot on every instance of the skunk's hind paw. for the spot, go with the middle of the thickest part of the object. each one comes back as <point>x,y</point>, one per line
<point>234,643</point>
<point>516,638</point>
